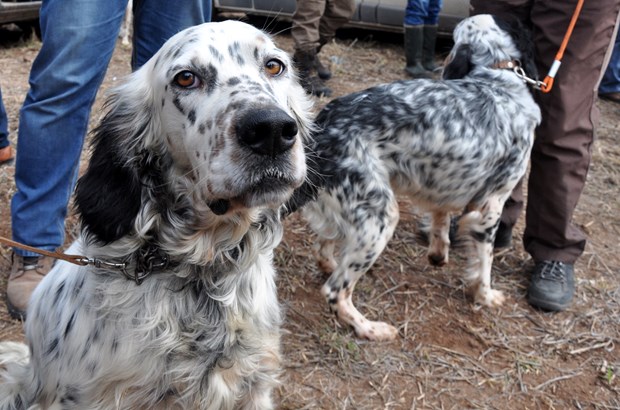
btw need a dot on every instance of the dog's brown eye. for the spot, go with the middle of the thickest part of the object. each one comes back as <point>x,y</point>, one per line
<point>274,67</point>
<point>186,79</point>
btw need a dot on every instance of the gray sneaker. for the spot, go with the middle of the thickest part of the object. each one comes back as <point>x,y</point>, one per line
<point>26,273</point>
<point>552,286</point>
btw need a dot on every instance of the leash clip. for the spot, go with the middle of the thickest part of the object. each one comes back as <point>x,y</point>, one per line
<point>538,85</point>
<point>99,263</point>
<point>147,260</point>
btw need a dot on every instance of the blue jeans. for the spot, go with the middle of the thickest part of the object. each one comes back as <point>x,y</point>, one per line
<point>421,12</point>
<point>611,80</point>
<point>78,40</point>
<point>4,124</point>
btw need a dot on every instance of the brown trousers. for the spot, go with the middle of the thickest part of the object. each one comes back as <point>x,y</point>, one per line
<point>562,148</point>
<point>315,21</point>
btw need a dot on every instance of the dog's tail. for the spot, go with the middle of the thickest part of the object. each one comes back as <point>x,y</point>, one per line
<point>14,377</point>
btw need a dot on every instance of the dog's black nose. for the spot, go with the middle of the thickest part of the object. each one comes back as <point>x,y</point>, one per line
<point>267,131</point>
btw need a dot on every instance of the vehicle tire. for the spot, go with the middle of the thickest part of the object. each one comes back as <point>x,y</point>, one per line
<point>28,28</point>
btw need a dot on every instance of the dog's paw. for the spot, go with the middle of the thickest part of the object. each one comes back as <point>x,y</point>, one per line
<point>489,297</point>
<point>326,265</point>
<point>324,258</point>
<point>438,259</point>
<point>376,331</point>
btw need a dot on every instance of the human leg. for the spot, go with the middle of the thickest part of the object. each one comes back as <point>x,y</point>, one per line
<point>610,84</point>
<point>78,39</point>
<point>6,152</point>
<point>430,35</point>
<point>155,21</point>
<point>4,125</point>
<point>337,14</point>
<point>562,148</point>
<point>305,33</point>
<point>305,25</point>
<point>415,14</point>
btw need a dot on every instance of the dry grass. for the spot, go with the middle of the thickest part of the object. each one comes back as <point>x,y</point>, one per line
<point>449,354</point>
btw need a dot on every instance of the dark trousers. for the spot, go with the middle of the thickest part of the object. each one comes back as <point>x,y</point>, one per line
<point>562,148</point>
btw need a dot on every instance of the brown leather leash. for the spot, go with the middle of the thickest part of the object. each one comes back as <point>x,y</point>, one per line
<point>147,260</point>
<point>75,259</point>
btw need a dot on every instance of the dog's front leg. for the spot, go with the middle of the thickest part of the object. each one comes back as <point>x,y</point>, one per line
<point>439,240</point>
<point>481,225</point>
<point>362,246</point>
<point>324,255</point>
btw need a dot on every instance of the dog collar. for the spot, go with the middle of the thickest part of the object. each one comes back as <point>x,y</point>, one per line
<point>144,261</point>
<point>515,66</point>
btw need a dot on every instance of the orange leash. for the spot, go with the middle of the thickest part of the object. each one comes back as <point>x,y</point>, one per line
<point>547,84</point>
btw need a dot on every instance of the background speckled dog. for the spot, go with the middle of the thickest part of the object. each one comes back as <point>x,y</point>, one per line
<point>199,149</point>
<point>459,144</point>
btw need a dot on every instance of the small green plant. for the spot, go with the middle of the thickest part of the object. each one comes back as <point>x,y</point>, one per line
<point>606,372</point>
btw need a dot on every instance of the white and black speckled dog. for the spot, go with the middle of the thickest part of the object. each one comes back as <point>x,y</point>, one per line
<point>457,144</point>
<point>199,149</point>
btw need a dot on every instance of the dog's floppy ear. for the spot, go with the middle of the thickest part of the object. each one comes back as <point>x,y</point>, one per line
<point>524,42</point>
<point>459,63</point>
<point>108,195</point>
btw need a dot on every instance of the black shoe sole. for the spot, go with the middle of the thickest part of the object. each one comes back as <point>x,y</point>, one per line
<point>548,305</point>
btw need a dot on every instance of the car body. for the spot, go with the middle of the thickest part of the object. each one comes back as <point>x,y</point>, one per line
<point>384,15</point>
<point>19,11</point>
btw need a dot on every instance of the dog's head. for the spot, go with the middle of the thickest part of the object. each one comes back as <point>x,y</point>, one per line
<point>212,125</point>
<point>486,41</point>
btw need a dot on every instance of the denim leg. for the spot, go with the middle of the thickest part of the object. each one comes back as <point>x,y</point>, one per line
<point>155,21</point>
<point>416,12</point>
<point>432,17</point>
<point>78,41</point>
<point>4,124</point>
<point>611,80</point>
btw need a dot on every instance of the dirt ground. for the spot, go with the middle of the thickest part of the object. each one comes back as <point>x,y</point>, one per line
<point>449,354</point>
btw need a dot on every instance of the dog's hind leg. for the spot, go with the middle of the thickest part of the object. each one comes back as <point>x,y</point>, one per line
<point>481,225</point>
<point>324,254</point>
<point>439,238</point>
<point>361,247</point>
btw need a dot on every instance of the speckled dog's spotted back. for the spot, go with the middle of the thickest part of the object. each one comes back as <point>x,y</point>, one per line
<point>459,144</point>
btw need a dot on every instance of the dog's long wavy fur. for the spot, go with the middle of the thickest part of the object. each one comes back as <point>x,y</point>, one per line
<point>197,152</point>
<point>459,144</point>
